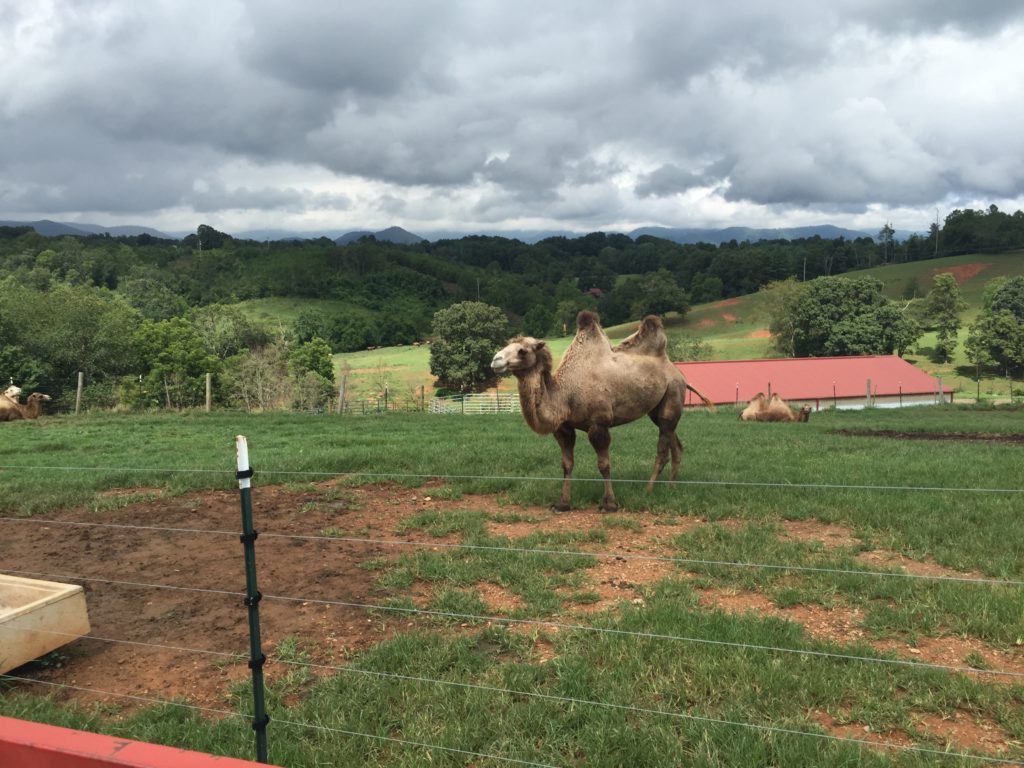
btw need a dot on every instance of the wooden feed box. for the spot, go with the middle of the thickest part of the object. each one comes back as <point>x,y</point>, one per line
<point>36,617</point>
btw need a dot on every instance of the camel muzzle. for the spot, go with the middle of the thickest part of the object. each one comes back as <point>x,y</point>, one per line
<point>498,364</point>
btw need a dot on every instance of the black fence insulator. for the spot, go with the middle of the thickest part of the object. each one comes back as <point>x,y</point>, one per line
<point>252,601</point>
<point>244,474</point>
<point>249,538</point>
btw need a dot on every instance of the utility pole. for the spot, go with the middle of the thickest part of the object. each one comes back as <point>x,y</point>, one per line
<point>936,232</point>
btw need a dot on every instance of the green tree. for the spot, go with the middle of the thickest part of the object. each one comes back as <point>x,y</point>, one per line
<point>848,316</point>
<point>997,337</point>
<point>538,320</point>
<point>689,348</point>
<point>943,306</point>
<point>226,330</point>
<point>175,362</point>
<point>313,356</point>
<point>780,299</point>
<point>466,336</point>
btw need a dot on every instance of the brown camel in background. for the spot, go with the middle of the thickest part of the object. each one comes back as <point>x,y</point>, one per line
<point>773,409</point>
<point>12,410</point>
<point>595,389</point>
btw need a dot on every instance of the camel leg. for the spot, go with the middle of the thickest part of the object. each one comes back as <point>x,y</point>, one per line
<point>566,437</point>
<point>601,440</point>
<point>677,455</point>
<point>668,443</point>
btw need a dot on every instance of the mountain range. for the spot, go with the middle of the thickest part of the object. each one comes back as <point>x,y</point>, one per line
<point>401,236</point>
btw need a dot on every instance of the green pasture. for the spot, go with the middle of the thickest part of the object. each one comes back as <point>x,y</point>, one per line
<point>663,681</point>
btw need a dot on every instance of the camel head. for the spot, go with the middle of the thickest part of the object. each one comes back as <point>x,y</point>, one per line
<point>39,397</point>
<point>12,392</point>
<point>521,354</point>
<point>804,414</point>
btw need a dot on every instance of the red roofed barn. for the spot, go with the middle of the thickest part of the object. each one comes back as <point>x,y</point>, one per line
<point>821,382</point>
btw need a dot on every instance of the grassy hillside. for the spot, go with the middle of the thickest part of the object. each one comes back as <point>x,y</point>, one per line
<point>735,328</point>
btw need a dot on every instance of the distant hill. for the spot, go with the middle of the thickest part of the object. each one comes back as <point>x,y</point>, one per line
<point>49,228</point>
<point>395,235</point>
<point>717,236</point>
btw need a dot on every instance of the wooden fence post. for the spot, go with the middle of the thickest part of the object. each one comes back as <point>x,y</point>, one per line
<point>209,392</point>
<point>78,393</point>
<point>867,402</point>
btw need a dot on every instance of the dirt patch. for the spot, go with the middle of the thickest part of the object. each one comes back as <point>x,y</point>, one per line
<point>963,272</point>
<point>829,535</point>
<point>729,317</point>
<point>707,322</point>
<point>959,731</point>
<point>760,333</point>
<point>728,303</point>
<point>887,559</point>
<point>986,437</point>
<point>839,625</point>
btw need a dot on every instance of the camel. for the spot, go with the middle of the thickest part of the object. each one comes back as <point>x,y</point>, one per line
<point>13,392</point>
<point>595,389</point>
<point>773,409</point>
<point>12,410</point>
<point>649,339</point>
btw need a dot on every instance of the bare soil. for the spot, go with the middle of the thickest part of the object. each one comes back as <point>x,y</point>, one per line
<point>985,437</point>
<point>165,591</point>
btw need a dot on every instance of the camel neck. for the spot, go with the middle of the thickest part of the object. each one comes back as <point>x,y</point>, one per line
<point>538,399</point>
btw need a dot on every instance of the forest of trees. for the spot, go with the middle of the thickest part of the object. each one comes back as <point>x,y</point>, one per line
<point>145,318</point>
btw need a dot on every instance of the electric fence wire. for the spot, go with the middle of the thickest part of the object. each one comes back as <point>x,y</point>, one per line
<point>531,478</point>
<point>469,617</point>
<point>542,623</point>
<point>573,701</point>
<point>524,550</point>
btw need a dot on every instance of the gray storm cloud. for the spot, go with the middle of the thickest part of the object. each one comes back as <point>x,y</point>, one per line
<point>472,111</point>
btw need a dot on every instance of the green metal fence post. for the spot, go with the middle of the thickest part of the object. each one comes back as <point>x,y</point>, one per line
<point>252,600</point>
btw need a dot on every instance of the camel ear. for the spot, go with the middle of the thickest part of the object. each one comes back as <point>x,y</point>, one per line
<point>539,345</point>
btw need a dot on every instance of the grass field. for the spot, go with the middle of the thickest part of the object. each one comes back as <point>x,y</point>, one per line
<point>672,677</point>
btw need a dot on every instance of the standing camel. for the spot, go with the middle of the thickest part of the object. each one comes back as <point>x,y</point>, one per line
<point>12,410</point>
<point>595,389</point>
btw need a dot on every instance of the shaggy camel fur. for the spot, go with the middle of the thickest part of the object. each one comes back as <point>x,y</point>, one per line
<point>649,339</point>
<point>13,392</point>
<point>775,409</point>
<point>11,410</point>
<point>594,390</point>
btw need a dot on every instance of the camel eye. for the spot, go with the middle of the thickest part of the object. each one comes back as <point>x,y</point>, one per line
<point>522,353</point>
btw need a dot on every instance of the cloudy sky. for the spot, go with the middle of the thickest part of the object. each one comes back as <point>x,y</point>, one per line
<point>489,115</point>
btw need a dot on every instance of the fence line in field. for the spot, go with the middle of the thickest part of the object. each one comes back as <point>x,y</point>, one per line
<point>525,694</point>
<point>535,622</point>
<point>531,478</point>
<point>532,622</point>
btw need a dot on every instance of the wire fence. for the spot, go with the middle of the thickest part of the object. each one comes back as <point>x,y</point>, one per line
<point>47,526</point>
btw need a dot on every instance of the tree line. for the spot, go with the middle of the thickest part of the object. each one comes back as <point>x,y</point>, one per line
<point>146,318</point>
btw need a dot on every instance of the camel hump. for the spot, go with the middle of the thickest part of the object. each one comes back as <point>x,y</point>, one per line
<point>652,323</point>
<point>587,319</point>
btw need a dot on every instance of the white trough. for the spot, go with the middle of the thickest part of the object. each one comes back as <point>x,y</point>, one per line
<point>37,617</point>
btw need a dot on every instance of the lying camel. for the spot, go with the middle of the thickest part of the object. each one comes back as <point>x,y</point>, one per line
<point>13,392</point>
<point>12,410</point>
<point>773,409</point>
<point>595,389</point>
<point>649,339</point>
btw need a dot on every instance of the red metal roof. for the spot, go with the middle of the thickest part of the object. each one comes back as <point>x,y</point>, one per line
<point>808,378</point>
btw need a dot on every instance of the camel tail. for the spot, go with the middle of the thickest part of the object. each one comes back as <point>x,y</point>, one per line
<point>702,396</point>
